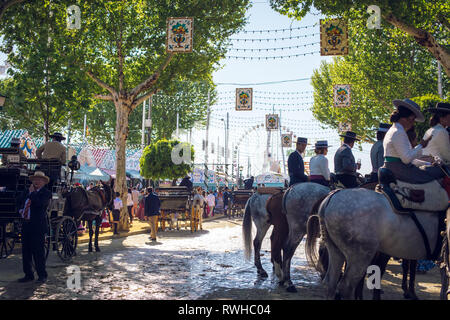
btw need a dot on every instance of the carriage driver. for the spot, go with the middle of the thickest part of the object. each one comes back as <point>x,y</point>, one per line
<point>35,201</point>
<point>53,150</point>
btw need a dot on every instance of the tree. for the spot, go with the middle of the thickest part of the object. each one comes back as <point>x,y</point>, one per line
<point>43,91</point>
<point>156,161</point>
<point>425,21</point>
<point>121,48</point>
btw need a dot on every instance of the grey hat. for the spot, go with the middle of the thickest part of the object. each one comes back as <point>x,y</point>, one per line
<point>384,127</point>
<point>350,134</point>
<point>411,105</point>
<point>302,140</point>
<point>322,144</point>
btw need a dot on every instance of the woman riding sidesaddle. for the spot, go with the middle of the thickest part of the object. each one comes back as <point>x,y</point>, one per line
<point>398,152</point>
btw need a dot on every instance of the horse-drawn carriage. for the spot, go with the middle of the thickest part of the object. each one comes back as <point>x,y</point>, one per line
<point>238,200</point>
<point>62,229</point>
<point>176,205</point>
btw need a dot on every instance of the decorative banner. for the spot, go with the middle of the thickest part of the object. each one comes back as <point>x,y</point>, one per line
<point>244,99</point>
<point>179,34</point>
<point>342,95</point>
<point>333,37</point>
<point>344,126</point>
<point>286,140</point>
<point>272,121</point>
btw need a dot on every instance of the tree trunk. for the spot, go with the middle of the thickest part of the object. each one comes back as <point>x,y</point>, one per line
<point>425,39</point>
<point>121,138</point>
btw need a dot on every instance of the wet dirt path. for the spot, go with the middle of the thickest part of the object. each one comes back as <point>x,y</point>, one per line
<point>206,265</point>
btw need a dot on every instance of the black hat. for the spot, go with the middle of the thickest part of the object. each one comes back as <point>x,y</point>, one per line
<point>384,127</point>
<point>322,144</point>
<point>411,105</point>
<point>349,134</point>
<point>15,141</point>
<point>58,135</point>
<point>302,140</point>
<point>440,106</point>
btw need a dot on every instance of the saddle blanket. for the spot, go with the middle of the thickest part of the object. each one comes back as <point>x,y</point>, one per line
<point>436,198</point>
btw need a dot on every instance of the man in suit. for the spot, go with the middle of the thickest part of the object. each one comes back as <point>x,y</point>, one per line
<point>187,182</point>
<point>248,183</point>
<point>296,165</point>
<point>377,151</point>
<point>152,205</point>
<point>35,202</point>
<point>344,162</point>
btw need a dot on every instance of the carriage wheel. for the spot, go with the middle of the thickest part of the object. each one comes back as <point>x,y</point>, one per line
<point>7,239</point>
<point>66,238</point>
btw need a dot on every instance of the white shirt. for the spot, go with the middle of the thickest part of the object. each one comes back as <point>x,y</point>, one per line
<point>118,204</point>
<point>396,144</point>
<point>129,200</point>
<point>318,166</point>
<point>211,200</point>
<point>439,145</point>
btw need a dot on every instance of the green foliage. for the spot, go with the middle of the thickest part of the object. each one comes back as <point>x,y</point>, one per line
<point>156,162</point>
<point>425,102</point>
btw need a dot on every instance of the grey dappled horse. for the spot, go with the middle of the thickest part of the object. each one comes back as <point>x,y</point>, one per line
<point>298,204</point>
<point>354,225</point>
<point>255,210</point>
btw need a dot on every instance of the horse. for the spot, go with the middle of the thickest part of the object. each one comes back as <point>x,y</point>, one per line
<point>255,210</point>
<point>83,205</point>
<point>344,219</point>
<point>445,260</point>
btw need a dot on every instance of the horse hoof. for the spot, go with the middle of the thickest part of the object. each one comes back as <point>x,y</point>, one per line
<point>291,289</point>
<point>90,249</point>
<point>97,249</point>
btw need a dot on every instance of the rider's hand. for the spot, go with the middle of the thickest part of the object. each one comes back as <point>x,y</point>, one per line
<point>31,189</point>
<point>424,143</point>
<point>358,166</point>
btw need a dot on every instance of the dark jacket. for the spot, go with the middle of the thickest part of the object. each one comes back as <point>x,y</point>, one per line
<point>226,198</point>
<point>248,183</point>
<point>38,210</point>
<point>377,156</point>
<point>296,168</point>
<point>152,204</point>
<point>344,161</point>
<point>187,183</point>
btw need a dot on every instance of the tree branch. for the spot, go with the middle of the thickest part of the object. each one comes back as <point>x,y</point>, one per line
<point>141,99</point>
<point>146,84</point>
<point>443,21</point>
<point>105,97</point>
<point>6,5</point>
<point>101,83</point>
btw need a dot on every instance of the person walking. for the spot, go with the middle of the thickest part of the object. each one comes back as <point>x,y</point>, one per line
<point>152,205</point>
<point>35,202</point>
<point>130,206</point>
<point>118,204</point>
<point>296,166</point>
<point>344,162</point>
<point>141,206</point>
<point>135,197</point>
<point>211,203</point>
<point>226,200</point>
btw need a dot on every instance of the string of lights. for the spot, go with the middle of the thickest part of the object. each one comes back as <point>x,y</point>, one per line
<point>280,30</point>
<point>266,103</point>
<point>273,57</point>
<point>274,39</point>
<point>230,98</point>
<point>272,92</point>
<point>274,49</point>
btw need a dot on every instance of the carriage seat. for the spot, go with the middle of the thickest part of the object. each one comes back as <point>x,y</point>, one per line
<point>405,197</point>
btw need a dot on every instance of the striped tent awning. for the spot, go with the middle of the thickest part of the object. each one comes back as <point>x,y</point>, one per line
<point>7,135</point>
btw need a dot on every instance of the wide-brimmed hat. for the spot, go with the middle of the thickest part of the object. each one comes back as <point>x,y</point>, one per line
<point>302,140</point>
<point>15,141</point>
<point>58,135</point>
<point>411,105</point>
<point>384,127</point>
<point>321,144</point>
<point>39,175</point>
<point>350,134</point>
<point>440,107</point>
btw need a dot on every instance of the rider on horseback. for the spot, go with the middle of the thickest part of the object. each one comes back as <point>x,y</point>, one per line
<point>318,165</point>
<point>344,161</point>
<point>296,166</point>
<point>377,151</point>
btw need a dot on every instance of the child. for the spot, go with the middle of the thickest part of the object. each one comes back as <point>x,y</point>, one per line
<point>116,212</point>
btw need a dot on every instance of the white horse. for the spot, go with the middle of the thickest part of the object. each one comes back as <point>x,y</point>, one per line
<point>354,225</point>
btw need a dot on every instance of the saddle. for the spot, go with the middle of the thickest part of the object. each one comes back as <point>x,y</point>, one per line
<point>399,193</point>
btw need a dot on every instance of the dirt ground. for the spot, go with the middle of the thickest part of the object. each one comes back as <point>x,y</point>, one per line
<point>205,265</point>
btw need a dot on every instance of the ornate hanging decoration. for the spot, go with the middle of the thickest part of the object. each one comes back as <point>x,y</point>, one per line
<point>333,37</point>
<point>180,33</point>
<point>244,99</point>
<point>342,95</point>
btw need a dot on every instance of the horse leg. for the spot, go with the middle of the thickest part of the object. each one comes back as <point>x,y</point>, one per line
<point>444,283</point>
<point>98,222</point>
<point>275,252</point>
<point>257,242</point>
<point>412,279</point>
<point>335,262</point>
<point>91,232</point>
<point>289,248</point>
<point>356,268</point>
<point>380,260</point>
<point>405,268</point>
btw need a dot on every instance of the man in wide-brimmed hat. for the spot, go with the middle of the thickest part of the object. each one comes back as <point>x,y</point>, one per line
<point>318,165</point>
<point>187,182</point>
<point>377,151</point>
<point>439,146</point>
<point>344,162</point>
<point>53,150</point>
<point>34,212</point>
<point>296,166</point>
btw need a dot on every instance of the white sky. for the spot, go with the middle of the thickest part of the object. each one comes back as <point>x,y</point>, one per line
<point>248,72</point>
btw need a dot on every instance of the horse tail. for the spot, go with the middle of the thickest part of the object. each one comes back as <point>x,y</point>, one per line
<point>247,230</point>
<point>316,229</point>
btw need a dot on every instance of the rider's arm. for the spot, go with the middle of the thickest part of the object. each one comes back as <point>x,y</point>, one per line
<point>442,143</point>
<point>39,152</point>
<point>325,169</point>
<point>403,148</point>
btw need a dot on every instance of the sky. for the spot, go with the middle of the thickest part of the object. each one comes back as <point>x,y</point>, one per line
<point>292,98</point>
